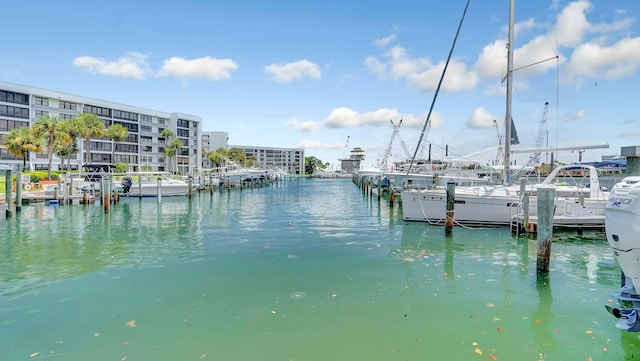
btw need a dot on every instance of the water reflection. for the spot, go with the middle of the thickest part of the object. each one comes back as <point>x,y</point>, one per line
<point>49,243</point>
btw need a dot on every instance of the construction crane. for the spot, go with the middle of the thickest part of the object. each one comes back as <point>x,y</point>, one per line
<point>387,153</point>
<point>542,135</point>
<point>499,155</point>
<point>404,147</point>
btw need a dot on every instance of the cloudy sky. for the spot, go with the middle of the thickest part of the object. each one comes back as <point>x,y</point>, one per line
<point>313,74</point>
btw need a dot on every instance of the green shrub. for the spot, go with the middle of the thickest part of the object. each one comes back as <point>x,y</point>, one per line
<point>122,167</point>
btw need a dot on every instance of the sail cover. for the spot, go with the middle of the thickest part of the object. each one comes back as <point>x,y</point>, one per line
<point>514,134</point>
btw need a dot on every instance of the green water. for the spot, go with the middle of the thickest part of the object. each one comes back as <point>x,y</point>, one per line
<point>306,270</point>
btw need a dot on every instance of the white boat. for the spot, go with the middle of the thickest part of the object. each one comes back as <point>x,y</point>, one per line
<point>622,226</point>
<point>499,204</point>
<point>150,184</point>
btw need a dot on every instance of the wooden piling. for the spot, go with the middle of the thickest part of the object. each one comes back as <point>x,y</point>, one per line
<point>18,192</point>
<point>525,212</point>
<point>392,197</point>
<point>106,195</point>
<point>546,196</point>
<point>190,192</point>
<point>451,200</point>
<point>525,205</point>
<point>159,190</point>
<point>9,195</point>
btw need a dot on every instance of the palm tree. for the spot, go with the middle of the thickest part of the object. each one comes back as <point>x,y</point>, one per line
<point>171,151</point>
<point>117,133</point>
<point>72,129</point>
<point>92,127</point>
<point>20,142</point>
<point>215,159</point>
<point>237,155</point>
<point>47,127</point>
<point>61,145</point>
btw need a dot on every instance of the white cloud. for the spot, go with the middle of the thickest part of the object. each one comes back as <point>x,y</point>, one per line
<point>385,41</point>
<point>579,115</point>
<point>347,118</point>
<point>287,73</point>
<point>597,60</point>
<point>131,65</point>
<point>571,24</point>
<point>201,68</point>
<point>420,72</point>
<point>304,126</point>
<point>457,78</point>
<point>311,144</point>
<point>632,133</point>
<point>481,118</point>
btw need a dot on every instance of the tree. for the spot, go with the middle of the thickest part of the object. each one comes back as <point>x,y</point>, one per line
<point>92,127</point>
<point>311,164</point>
<point>72,129</point>
<point>167,134</point>
<point>22,141</point>
<point>237,155</point>
<point>62,144</point>
<point>117,133</point>
<point>47,127</point>
<point>171,150</point>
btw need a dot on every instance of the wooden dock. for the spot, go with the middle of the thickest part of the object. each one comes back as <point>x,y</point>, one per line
<point>518,225</point>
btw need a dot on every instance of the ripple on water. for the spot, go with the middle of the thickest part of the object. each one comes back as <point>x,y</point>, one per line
<point>298,295</point>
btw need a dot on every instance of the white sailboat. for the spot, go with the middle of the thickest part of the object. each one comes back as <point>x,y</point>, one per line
<point>499,204</point>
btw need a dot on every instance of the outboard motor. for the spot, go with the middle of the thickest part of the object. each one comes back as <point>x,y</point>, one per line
<point>126,184</point>
<point>622,226</point>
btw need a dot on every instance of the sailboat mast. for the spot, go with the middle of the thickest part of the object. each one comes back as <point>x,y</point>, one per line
<point>507,129</point>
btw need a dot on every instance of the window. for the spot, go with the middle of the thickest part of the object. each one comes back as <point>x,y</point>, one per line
<point>163,120</point>
<point>120,114</point>
<point>145,128</point>
<point>183,133</point>
<point>145,118</point>
<point>42,113</point>
<point>104,112</point>
<point>63,116</point>
<point>41,101</point>
<point>183,123</point>
<point>12,97</point>
<point>100,146</point>
<point>67,105</point>
<point>131,127</point>
<point>144,139</point>
<point>14,112</point>
<point>126,148</point>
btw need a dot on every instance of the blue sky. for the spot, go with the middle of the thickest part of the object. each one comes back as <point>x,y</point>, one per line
<point>312,73</point>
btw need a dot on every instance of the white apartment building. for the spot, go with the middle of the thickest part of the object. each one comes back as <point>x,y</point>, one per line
<point>143,149</point>
<point>290,160</point>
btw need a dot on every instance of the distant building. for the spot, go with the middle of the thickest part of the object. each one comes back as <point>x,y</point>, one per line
<point>143,149</point>
<point>211,141</point>
<point>351,164</point>
<point>291,160</point>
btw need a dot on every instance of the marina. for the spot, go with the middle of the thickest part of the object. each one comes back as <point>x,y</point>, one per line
<point>305,270</point>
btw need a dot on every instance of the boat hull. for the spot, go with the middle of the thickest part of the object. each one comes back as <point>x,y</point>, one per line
<point>622,225</point>
<point>168,189</point>
<point>430,206</point>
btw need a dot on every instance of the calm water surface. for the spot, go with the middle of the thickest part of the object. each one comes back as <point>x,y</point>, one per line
<point>308,270</point>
